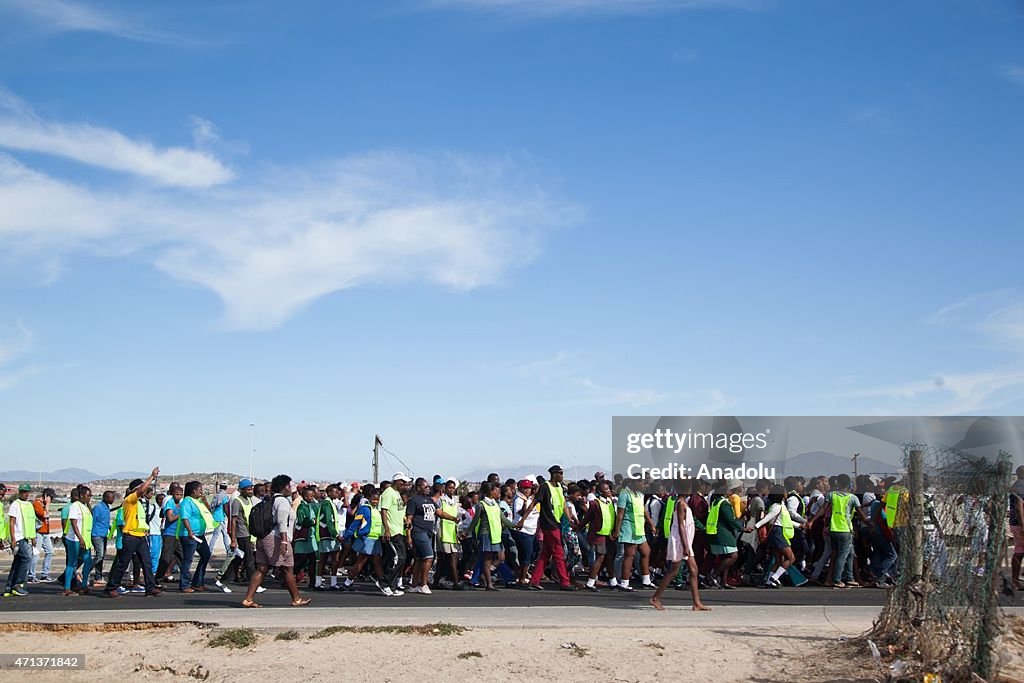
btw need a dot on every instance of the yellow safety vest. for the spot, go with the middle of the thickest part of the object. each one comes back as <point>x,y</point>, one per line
<point>839,522</point>
<point>246,508</point>
<point>376,523</point>
<point>4,531</point>
<point>607,517</point>
<point>892,501</point>
<point>26,511</point>
<point>557,501</point>
<point>638,513</point>
<point>493,521</point>
<point>787,523</point>
<point>449,528</point>
<point>711,528</point>
<point>670,508</point>
<point>85,528</point>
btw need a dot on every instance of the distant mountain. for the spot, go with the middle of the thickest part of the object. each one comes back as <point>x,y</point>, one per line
<point>572,472</point>
<point>68,475</point>
<point>820,462</point>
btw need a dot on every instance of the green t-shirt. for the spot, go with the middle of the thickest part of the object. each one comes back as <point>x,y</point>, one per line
<point>391,500</point>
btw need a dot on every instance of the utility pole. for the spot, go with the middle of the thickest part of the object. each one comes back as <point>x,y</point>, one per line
<point>252,447</point>
<point>376,458</point>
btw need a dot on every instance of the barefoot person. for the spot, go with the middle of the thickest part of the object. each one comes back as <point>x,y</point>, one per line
<point>679,547</point>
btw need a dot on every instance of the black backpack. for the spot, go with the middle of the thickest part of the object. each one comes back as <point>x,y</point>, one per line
<point>261,518</point>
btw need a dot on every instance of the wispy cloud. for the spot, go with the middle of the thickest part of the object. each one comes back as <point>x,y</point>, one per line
<point>22,129</point>
<point>554,8</point>
<point>62,16</point>
<point>1013,73</point>
<point>996,320</point>
<point>14,345</point>
<point>565,372</point>
<point>272,242</point>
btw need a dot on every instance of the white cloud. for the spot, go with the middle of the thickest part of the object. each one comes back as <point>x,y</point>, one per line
<point>13,346</point>
<point>553,8</point>
<point>61,16</point>
<point>997,320</point>
<point>564,372</point>
<point>22,129</point>
<point>1013,73</point>
<point>271,245</point>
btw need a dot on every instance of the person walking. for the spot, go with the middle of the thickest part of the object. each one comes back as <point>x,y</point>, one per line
<point>392,508</point>
<point>171,541</point>
<point>551,500</point>
<point>367,527</point>
<point>275,549</point>
<point>78,540</point>
<point>102,521</point>
<point>451,549</point>
<point>600,524</point>
<point>43,540</point>
<point>679,548</point>
<point>241,547</point>
<point>134,546</point>
<point>194,521</point>
<point>630,523</point>
<point>780,536</point>
<point>723,529</point>
<point>21,521</point>
<point>525,534</point>
<point>219,511</point>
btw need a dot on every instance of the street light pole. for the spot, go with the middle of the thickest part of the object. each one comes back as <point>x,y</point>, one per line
<point>252,446</point>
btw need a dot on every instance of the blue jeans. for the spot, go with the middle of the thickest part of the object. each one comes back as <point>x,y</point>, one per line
<point>842,562</point>
<point>74,552</point>
<point>156,546</point>
<point>188,549</point>
<point>21,563</point>
<point>45,543</point>
<point>883,555</point>
<point>221,532</point>
<point>526,544</point>
<point>99,551</point>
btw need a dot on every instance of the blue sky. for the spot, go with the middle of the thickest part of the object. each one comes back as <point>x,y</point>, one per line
<point>483,227</point>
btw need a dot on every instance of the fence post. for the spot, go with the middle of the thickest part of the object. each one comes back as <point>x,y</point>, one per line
<point>916,474</point>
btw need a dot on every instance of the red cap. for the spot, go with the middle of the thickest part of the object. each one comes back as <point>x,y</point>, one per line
<point>525,483</point>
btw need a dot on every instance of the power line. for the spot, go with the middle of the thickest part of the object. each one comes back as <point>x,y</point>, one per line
<point>406,466</point>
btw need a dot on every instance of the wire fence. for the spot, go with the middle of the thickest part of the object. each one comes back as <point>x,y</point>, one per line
<point>950,528</point>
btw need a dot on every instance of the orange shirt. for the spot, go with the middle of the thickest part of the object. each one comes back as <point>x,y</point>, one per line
<point>43,515</point>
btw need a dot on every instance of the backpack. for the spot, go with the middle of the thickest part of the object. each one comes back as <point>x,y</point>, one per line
<point>261,518</point>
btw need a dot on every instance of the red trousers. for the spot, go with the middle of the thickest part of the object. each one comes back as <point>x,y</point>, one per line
<point>551,552</point>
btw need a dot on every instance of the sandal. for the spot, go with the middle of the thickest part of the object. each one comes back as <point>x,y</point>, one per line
<point>250,603</point>
<point>301,602</point>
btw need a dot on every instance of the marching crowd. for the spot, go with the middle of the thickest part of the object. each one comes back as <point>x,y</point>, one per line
<point>418,535</point>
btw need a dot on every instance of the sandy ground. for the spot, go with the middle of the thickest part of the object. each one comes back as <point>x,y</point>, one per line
<point>781,644</point>
<point>600,654</point>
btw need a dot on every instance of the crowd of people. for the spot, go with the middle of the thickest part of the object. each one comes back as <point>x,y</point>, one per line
<point>419,535</point>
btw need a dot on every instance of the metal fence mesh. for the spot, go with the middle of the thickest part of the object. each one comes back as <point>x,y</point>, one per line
<point>943,615</point>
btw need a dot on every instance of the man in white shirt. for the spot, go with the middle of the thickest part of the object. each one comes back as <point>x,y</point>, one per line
<point>21,521</point>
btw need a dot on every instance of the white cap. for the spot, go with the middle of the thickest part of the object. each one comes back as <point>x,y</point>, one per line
<point>401,476</point>
<point>453,480</point>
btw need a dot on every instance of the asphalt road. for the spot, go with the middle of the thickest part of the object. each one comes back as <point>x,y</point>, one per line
<point>46,597</point>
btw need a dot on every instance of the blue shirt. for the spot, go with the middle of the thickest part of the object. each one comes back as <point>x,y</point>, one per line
<point>171,527</point>
<point>100,519</point>
<point>190,511</point>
